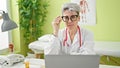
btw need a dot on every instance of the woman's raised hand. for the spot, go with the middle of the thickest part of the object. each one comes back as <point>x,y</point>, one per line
<point>56,25</point>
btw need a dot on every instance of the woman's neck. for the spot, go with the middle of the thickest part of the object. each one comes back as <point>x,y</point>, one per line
<point>72,33</point>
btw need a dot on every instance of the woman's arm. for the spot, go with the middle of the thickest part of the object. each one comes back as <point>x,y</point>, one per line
<point>54,46</point>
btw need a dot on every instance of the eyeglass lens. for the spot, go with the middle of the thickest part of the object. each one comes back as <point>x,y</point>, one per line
<point>72,18</point>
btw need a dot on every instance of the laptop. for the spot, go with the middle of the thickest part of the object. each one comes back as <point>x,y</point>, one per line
<point>72,61</point>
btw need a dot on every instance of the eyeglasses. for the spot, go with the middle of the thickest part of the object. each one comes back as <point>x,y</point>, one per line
<point>72,18</point>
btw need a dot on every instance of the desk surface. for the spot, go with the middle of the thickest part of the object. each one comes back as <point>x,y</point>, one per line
<point>39,63</point>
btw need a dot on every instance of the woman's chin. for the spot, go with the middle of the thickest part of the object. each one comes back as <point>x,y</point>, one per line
<point>70,27</point>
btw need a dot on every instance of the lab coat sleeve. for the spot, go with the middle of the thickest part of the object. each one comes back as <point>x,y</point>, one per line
<point>54,46</point>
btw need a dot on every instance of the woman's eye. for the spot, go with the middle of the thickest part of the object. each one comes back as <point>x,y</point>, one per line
<point>73,16</point>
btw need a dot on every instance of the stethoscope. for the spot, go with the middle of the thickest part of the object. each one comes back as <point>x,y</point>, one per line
<point>66,37</point>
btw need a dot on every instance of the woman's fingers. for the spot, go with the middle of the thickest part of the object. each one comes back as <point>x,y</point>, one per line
<point>57,20</point>
<point>56,25</point>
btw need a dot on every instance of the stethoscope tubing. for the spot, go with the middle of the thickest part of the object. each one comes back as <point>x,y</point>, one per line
<point>66,37</point>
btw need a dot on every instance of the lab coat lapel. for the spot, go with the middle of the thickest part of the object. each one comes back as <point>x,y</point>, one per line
<point>68,44</point>
<point>76,38</point>
<point>75,44</point>
<point>69,41</point>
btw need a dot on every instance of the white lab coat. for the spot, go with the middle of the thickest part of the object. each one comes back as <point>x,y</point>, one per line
<point>56,47</point>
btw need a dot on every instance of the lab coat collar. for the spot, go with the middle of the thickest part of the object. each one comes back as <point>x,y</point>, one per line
<point>75,40</point>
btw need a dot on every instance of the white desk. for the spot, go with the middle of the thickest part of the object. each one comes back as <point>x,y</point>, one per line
<point>39,63</point>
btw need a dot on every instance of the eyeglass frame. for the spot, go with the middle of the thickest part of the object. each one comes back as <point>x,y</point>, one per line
<point>70,18</point>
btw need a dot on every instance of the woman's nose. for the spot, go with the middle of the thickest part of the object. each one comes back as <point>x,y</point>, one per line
<point>69,21</point>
